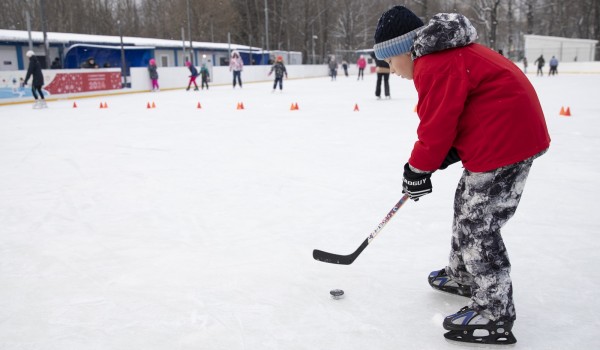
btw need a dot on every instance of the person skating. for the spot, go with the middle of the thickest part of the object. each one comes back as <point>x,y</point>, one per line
<point>361,63</point>
<point>153,73</point>
<point>205,75</point>
<point>280,72</point>
<point>333,67</point>
<point>540,64</point>
<point>35,70</point>
<point>193,76</point>
<point>553,66</point>
<point>383,76</point>
<point>236,65</point>
<point>476,107</point>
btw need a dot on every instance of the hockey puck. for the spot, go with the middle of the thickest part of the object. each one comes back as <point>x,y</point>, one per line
<point>336,293</point>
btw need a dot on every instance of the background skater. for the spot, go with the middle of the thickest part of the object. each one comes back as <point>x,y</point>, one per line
<point>35,70</point>
<point>280,72</point>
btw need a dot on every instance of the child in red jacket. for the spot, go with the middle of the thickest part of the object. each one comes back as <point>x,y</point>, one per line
<point>361,63</point>
<point>477,107</point>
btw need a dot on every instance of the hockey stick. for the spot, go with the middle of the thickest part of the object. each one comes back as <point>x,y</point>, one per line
<point>349,259</point>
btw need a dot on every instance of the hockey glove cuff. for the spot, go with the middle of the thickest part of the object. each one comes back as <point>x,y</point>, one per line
<point>451,158</point>
<point>416,184</point>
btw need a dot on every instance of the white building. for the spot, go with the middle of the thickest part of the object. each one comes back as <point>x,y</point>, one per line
<point>565,49</point>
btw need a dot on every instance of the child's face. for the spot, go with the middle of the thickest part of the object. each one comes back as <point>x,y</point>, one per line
<point>401,65</point>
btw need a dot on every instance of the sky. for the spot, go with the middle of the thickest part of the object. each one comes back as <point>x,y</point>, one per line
<point>185,228</point>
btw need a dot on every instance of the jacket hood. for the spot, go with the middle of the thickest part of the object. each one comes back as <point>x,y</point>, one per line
<point>444,31</point>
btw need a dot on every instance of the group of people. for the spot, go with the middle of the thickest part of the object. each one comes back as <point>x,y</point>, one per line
<point>92,63</point>
<point>361,63</point>
<point>382,69</point>
<point>541,62</point>
<point>236,66</point>
<point>194,73</point>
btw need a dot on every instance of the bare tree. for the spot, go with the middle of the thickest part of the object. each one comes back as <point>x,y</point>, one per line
<point>350,28</point>
<point>336,24</point>
<point>486,12</point>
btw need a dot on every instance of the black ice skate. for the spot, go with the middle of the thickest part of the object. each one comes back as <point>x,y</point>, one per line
<point>439,280</point>
<point>467,325</point>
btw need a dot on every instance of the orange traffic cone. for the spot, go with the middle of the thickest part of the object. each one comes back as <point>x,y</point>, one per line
<point>148,105</point>
<point>199,105</point>
<point>74,104</point>
<point>101,105</point>
<point>568,112</point>
<point>562,111</point>
<point>292,108</point>
<point>240,105</point>
<point>105,105</point>
<point>296,106</point>
<point>153,105</point>
<point>356,107</point>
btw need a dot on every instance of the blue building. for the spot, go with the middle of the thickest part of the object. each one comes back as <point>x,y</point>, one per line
<point>72,50</point>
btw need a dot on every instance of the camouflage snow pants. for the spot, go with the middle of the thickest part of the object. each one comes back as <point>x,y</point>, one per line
<point>483,203</point>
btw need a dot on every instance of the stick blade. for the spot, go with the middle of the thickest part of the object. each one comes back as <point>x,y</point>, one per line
<point>339,259</point>
<point>333,258</point>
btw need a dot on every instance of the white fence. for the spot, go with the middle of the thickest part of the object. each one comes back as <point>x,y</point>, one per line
<point>177,78</point>
<point>139,81</point>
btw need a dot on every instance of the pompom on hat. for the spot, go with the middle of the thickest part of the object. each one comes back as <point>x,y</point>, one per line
<point>29,53</point>
<point>396,32</point>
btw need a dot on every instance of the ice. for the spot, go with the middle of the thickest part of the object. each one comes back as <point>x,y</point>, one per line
<point>186,228</point>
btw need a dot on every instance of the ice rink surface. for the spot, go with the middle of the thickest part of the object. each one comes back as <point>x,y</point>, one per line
<point>184,228</point>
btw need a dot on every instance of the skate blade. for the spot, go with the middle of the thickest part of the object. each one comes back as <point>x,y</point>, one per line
<point>449,291</point>
<point>469,337</point>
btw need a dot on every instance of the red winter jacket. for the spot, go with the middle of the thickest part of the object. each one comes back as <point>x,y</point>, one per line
<point>479,102</point>
<point>361,63</point>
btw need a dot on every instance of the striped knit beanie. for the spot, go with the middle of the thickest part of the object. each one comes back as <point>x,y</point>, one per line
<point>396,31</point>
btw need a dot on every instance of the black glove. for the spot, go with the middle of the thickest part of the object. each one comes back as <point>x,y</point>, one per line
<point>416,184</point>
<point>451,158</point>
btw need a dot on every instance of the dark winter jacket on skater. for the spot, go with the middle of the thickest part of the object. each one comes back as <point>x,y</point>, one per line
<point>489,130</point>
<point>381,65</point>
<point>279,69</point>
<point>204,73</point>
<point>193,71</point>
<point>541,62</point>
<point>34,70</point>
<point>152,70</point>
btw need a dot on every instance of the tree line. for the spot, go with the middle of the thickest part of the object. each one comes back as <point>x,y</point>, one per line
<point>316,28</point>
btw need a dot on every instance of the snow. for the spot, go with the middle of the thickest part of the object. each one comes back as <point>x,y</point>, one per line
<point>185,228</point>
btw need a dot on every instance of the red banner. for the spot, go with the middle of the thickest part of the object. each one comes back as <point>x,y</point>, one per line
<point>65,83</point>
